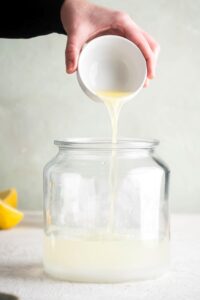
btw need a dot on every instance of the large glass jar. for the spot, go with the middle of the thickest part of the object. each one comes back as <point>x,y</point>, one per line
<point>106,211</point>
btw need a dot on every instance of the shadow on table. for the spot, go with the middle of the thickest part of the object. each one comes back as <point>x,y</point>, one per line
<point>23,271</point>
<point>4,296</point>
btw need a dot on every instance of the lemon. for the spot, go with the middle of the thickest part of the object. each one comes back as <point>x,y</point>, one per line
<point>9,197</point>
<point>9,216</point>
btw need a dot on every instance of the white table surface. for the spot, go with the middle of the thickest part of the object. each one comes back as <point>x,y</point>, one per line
<point>21,270</point>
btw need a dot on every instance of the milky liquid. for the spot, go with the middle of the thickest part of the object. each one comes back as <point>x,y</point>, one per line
<point>114,101</point>
<point>109,257</point>
<point>105,259</point>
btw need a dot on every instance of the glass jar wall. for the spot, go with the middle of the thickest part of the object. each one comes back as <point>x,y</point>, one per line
<point>106,211</point>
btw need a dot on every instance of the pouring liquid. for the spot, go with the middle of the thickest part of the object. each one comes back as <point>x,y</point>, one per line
<point>113,101</point>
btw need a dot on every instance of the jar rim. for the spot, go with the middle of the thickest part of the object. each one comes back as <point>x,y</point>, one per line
<point>106,144</point>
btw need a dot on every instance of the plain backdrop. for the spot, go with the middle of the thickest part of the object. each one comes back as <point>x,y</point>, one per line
<point>39,102</point>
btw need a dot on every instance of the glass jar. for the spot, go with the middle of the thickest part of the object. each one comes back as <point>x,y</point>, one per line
<point>106,211</point>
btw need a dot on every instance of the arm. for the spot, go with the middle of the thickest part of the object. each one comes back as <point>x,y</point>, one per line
<point>30,18</point>
<point>80,19</point>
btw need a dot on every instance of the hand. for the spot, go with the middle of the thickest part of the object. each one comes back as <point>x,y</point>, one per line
<point>84,21</point>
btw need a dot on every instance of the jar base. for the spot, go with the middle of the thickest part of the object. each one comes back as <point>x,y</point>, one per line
<point>105,276</point>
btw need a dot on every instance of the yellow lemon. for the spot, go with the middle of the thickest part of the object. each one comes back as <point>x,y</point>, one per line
<point>9,197</point>
<point>9,216</point>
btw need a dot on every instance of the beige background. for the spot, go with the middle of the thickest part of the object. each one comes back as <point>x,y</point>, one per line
<point>39,102</point>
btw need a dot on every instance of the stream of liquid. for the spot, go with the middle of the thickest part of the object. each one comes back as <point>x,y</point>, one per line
<point>113,101</point>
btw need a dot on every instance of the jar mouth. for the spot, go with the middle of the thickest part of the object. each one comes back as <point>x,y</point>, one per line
<point>106,144</point>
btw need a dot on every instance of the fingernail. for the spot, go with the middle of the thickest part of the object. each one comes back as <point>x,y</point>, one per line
<point>70,65</point>
<point>152,75</point>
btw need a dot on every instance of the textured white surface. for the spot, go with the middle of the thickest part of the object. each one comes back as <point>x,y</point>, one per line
<point>21,270</point>
<point>39,102</point>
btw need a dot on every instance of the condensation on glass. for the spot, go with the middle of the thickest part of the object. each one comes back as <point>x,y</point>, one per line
<point>106,211</point>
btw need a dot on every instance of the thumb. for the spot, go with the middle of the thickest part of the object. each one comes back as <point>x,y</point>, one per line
<point>73,48</point>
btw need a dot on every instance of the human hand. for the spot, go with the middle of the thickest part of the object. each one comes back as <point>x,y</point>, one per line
<point>84,21</point>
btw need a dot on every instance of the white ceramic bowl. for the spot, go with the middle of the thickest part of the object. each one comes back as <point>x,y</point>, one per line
<point>111,63</point>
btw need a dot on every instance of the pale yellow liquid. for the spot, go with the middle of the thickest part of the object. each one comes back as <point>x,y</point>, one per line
<point>114,101</point>
<point>109,257</point>
<point>105,259</point>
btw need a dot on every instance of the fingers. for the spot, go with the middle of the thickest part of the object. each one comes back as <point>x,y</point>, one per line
<point>121,24</point>
<point>71,54</point>
<point>143,45</point>
<point>146,84</point>
<point>145,42</point>
<point>152,43</point>
<point>73,48</point>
